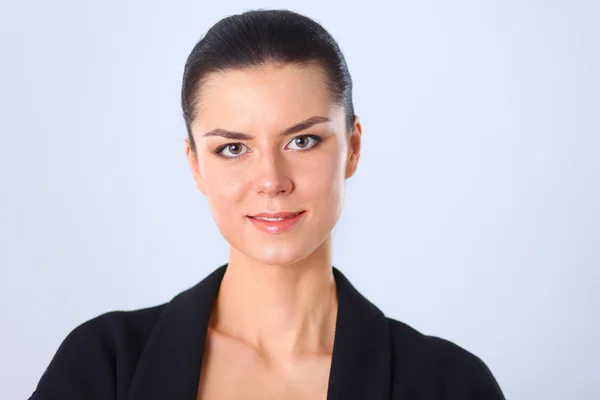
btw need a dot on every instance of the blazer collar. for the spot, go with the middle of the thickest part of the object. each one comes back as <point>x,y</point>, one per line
<point>169,367</point>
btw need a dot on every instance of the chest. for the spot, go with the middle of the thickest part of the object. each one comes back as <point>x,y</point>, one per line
<point>229,375</point>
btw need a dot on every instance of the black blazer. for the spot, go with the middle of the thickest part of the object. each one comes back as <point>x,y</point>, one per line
<point>156,353</point>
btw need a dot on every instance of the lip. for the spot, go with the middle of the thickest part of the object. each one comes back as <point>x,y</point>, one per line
<point>290,219</point>
<point>281,214</point>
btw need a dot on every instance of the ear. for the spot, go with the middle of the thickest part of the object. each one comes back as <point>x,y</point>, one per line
<point>194,167</point>
<point>354,142</point>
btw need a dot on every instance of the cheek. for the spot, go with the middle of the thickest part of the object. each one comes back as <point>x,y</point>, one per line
<point>325,182</point>
<point>225,189</point>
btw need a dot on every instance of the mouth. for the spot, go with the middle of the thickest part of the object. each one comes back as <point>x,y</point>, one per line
<point>275,223</point>
<point>275,217</point>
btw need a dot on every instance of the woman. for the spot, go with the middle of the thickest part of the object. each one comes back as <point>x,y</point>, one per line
<point>267,100</point>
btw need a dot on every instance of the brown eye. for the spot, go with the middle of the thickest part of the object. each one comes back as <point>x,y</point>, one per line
<point>304,142</point>
<point>232,150</point>
<point>301,141</point>
<point>235,149</point>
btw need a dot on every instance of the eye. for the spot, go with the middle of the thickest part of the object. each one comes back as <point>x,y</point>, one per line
<point>232,150</point>
<point>304,142</point>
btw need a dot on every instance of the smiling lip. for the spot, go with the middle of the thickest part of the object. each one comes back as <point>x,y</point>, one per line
<point>276,222</point>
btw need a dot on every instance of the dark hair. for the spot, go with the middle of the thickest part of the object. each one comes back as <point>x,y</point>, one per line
<point>261,37</point>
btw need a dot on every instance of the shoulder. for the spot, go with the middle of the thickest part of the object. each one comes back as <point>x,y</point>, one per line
<point>87,359</point>
<point>114,329</point>
<point>433,364</point>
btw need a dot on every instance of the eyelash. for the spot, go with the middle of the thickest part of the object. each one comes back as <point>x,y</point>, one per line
<point>318,140</point>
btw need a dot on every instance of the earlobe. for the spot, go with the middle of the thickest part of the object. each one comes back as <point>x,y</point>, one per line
<point>354,144</point>
<point>194,167</point>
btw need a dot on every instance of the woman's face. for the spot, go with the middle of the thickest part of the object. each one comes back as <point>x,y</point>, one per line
<point>272,154</point>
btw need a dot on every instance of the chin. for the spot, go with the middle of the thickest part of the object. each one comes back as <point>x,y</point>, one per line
<point>277,250</point>
<point>278,255</point>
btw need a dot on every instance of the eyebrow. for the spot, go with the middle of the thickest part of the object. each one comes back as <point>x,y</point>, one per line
<point>299,127</point>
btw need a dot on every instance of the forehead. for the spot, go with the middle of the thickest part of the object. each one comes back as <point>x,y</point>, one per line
<point>265,97</point>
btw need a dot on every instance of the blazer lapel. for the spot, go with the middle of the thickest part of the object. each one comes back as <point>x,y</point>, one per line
<point>169,367</point>
<point>361,366</point>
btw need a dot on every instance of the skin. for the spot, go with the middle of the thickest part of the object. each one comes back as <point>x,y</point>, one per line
<point>273,322</point>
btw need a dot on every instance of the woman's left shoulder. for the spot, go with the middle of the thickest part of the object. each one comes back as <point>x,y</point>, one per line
<point>431,359</point>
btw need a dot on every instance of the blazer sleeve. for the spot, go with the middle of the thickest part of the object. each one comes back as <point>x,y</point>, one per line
<point>485,385</point>
<point>467,376</point>
<point>83,366</point>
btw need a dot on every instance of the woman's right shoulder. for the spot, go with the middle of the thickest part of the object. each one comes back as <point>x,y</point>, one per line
<point>86,360</point>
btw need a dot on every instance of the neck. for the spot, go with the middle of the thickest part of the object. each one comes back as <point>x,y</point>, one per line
<point>281,311</point>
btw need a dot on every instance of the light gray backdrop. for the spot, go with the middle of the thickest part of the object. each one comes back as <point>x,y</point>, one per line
<point>473,216</point>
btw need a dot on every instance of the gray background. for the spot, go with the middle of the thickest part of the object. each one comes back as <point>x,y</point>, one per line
<point>473,215</point>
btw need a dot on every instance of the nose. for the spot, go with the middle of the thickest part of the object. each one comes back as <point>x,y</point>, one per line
<point>271,177</point>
